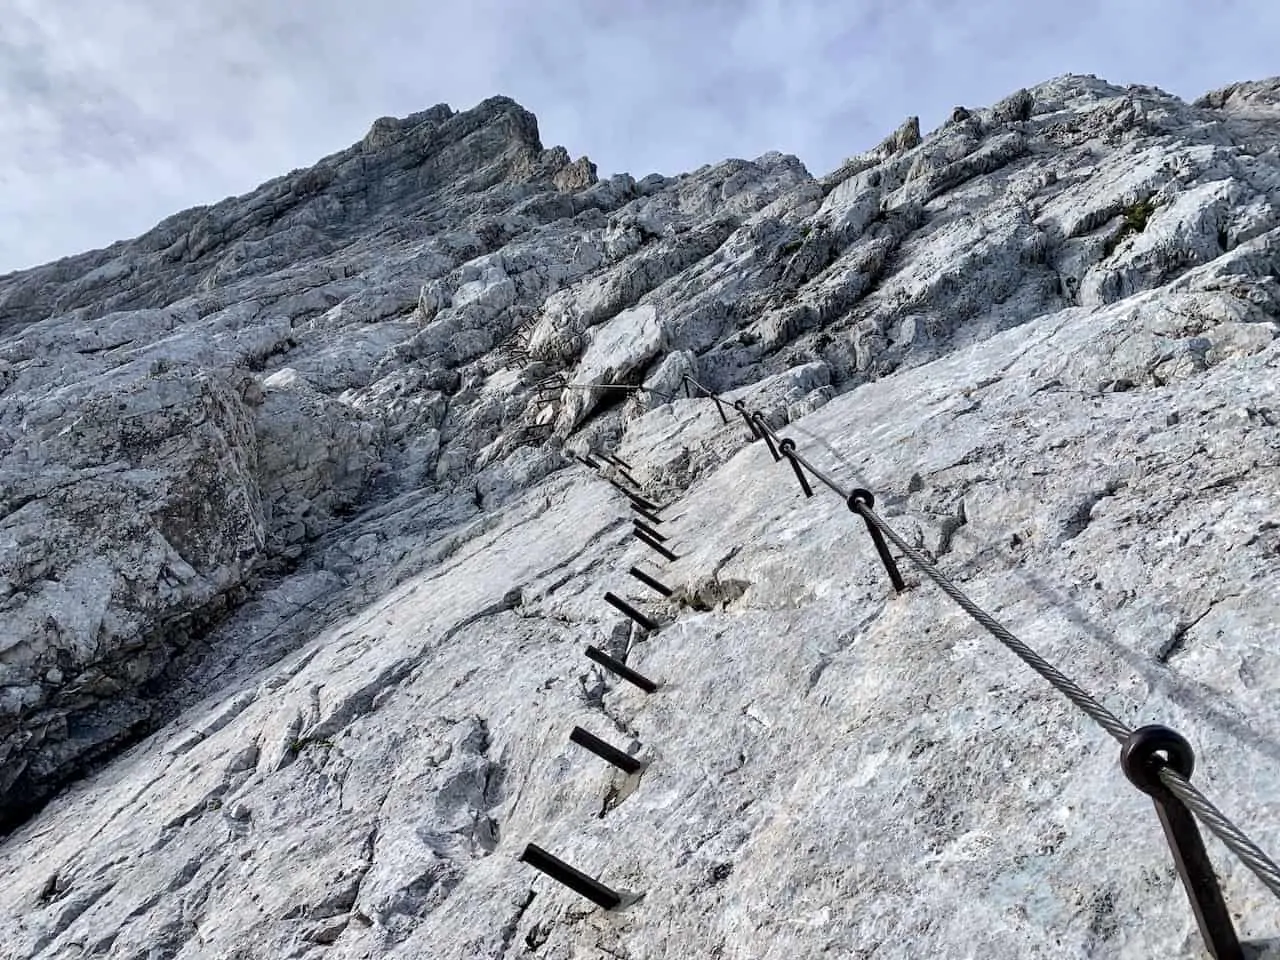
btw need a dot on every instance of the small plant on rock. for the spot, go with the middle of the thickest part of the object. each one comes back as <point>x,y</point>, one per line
<point>1138,213</point>
<point>1134,219</point>
<point>298,744</point>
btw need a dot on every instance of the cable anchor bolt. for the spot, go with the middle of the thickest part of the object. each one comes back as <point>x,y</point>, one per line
<point>860,502</point>
<point>1149,750</point>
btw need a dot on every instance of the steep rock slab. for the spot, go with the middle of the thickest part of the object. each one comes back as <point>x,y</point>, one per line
<point>876,757</point>
<point>124,527</point>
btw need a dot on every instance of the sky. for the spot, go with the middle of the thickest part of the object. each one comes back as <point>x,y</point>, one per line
<point>117,113</point>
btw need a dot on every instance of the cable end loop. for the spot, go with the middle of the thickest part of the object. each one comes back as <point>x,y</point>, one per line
<point>1141,760</point>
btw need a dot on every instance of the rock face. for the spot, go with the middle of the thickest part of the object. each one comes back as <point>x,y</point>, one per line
<point>295,575</point>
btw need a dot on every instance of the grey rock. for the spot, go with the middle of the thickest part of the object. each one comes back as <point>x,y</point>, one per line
<point>295,576</point>
<point>1014,108</point>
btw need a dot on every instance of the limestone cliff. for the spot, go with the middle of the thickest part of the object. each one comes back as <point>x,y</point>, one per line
<point>295,575</point>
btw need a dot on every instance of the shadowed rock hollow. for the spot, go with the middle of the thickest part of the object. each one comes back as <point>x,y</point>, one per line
<point>295,575</point>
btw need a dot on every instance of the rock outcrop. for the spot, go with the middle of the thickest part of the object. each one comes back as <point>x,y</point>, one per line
<point>295,574</point>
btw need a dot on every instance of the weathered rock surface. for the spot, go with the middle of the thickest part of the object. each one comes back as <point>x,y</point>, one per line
<point>290,551</point>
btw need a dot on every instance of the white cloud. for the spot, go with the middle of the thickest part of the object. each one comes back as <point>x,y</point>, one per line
<point>117,113</point>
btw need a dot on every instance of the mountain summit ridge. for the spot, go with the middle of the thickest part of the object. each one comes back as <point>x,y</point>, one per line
<point>398,163</point>
<point>295,573</point>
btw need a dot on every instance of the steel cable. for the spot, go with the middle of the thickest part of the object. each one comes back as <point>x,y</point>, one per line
<point>1250,854</point>
<point>1100,714</point>
<point>1104,717</point>
<point>630,387</point>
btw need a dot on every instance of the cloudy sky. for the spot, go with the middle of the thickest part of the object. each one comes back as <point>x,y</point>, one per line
<point>117,113</point>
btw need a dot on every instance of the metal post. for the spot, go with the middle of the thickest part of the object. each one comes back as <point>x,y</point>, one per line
<point>619,604</point>
<point>651,517</point>
<point>648,581</point>
<point>606,752</point>
<point>654,544</point>
<point>1141,761</point>
<point>720,408</point>
<point>764,432</point>
<point>640,525</point>
<point>863,498</point>
<point>635,497</point>
<point>788,448</point>
<point>596,655</point>
<point>575,880</point>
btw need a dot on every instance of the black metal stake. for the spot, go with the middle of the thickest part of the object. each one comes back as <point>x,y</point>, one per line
<point>635,497</point>
<point>742,409</point>
<point>1141,761</point>
<point>596,655</point>
<point>788,448</point>
<point>640,525</point>
<point>606,752</point>
<point>649,581</point>
<point>768,440</point>
<point>614,458</point>
<point>651,517</point>
<point>859,499</point>
<point>575,880</point>
<point>720,408</point>
<point>619,604</point>
<point>654,544</point>
<point>629,478</point>
<point>589,462</point>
